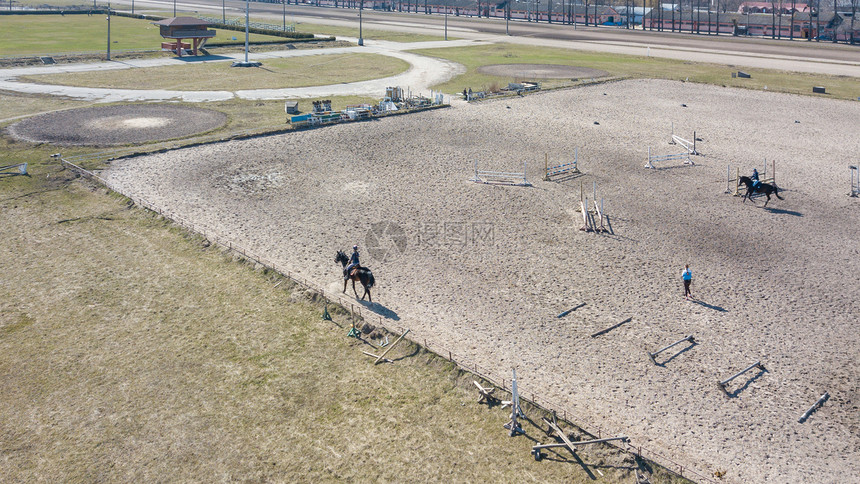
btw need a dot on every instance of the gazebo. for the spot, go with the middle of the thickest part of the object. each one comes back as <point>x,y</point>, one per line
<point>179,28</point>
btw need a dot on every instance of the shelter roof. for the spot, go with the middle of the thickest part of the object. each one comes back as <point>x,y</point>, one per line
<point>182,22</point>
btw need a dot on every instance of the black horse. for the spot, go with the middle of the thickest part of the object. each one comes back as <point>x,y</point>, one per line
<point>764,188</point>
<point>360,274</point>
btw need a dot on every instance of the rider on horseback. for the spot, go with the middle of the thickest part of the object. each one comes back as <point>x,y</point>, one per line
<point>755,180</point>
<point>353,262</point>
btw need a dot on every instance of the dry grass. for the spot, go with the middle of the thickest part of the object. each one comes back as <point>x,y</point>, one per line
<point>14,105</point>
<point>130,350</point>
<point>314,70</point>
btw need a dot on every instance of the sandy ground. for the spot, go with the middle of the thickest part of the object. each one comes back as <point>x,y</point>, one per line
<point>486,269</point>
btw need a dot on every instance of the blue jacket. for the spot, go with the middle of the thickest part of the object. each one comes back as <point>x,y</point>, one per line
<point>354,259</point>
<point>687,275</point>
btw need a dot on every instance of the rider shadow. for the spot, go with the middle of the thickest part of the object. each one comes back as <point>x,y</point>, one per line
<point>710,306</point>
<point>783,212</point>
<point>755,377</point>
<point>693,344</point>
<point>379,309</point>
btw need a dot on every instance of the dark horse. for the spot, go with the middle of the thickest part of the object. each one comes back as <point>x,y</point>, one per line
<point>765,188</point>
<point>360,274</point>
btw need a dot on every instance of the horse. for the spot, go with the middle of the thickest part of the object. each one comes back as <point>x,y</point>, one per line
<point>360,274</point>
<point>765,188</point>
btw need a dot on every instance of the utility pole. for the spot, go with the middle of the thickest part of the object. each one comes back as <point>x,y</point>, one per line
<point>360,8</point>
<point>108,43</point>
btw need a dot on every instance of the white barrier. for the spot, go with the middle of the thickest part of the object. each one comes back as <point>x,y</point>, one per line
<point>501,178</point>
<point>689,145</point>
<point>592,219</point>
<point>21,169</point>
<point>855,181</point>
<point>516,412</point>
<point>678,156</point>
<point>562,169</point>
<point>725,382</point>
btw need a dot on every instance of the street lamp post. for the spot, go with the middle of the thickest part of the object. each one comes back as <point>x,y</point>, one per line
<point>247,25</point>
<point>174,8</point>
<point>223,13</point>
<point>284,5</point>
<point>360,36</point>
<point>108,39</point>
<point>446,21</point>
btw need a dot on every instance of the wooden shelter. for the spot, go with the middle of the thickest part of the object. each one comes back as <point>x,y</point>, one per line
<point>179,28</point>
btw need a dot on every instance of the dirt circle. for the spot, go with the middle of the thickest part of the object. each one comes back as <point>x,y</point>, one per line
<point>541,71</point>
<point>117,125</point>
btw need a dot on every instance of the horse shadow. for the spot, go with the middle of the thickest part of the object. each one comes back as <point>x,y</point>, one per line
<point>749,382</point>
<point>783,212</point>
<point>692,345</point>
<point>710,306</point>
<point>379,309</point>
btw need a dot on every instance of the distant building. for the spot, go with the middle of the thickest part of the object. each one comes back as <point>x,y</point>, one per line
<point>782,6</point>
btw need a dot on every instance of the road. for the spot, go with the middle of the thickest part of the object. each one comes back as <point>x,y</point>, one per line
<point>800,56</point>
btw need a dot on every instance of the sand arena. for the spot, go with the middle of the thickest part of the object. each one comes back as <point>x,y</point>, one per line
<point>777,284</point>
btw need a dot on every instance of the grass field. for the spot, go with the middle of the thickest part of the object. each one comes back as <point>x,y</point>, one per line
<point>131,350</point>
<point>629,66</point>
<point>53,34</point>
<point>275,73</point>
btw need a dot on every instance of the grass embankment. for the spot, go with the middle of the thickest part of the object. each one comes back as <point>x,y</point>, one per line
<point>311,70</point>
<point>839,87</point>
<point>371,34</point>
<point>53,34</point>
<point>131,350</point>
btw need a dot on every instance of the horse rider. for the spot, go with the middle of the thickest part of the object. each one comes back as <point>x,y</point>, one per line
<point>755,180</point>
<point>353,262</point>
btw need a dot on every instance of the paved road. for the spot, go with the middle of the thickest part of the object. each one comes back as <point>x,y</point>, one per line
<point>423,73</point>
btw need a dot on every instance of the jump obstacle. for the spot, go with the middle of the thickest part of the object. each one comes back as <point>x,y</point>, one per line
<point>555,429</point>
<point>567,169</point>
<point>814,407</point>
<point>725,382</point>
<point>485,394</point>
<point>689,145</point>
<point>654,354</point>
<point>855,181</point>
<point>678,156</point>
<point>500,177</point>
<point>382,356</point>
<point>733,185</point>
<point>20,168</point>
<point>516,412</point>
<point>592,219</point>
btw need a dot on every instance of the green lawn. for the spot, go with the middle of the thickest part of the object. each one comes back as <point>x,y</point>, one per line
<point>631,67</point>
<point>312,70</point>
<point>54,34</point>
